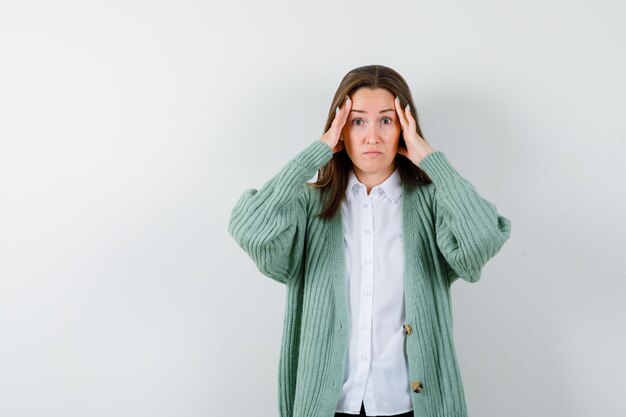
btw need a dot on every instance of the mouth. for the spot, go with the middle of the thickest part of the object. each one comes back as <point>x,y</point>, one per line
<point>372,153</point>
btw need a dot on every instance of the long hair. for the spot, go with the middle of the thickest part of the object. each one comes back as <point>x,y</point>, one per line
<point>332,178</point>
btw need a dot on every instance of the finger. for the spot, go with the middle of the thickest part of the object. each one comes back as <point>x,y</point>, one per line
<point>401,115</point>
<point>340,121</point>
<point>341,114</point>
<point>345,110</point>
<point>409,116</point>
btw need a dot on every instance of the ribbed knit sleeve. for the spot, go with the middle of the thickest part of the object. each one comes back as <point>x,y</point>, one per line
<point>469,230</point>
<point>269,223</point>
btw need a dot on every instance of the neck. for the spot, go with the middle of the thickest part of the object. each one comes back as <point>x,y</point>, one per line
<point>372,179</point>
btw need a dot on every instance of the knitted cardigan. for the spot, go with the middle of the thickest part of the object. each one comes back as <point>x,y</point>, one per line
<point>449,231</point>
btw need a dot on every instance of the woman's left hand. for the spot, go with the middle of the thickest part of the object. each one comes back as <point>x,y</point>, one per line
<point>416,147</point>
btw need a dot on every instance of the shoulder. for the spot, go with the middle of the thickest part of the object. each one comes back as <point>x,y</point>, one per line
<point>312,196</point>
<point>420,199</point>
<point>420,191</point>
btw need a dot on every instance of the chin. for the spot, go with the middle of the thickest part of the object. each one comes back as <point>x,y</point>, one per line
<point>374,166</point>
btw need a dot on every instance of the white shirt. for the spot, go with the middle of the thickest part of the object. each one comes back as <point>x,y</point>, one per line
<point>376,369</point>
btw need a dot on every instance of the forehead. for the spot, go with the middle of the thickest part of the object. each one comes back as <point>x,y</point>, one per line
<point>372,100</point>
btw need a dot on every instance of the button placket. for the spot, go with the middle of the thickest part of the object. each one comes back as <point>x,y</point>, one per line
<point>367,256</point>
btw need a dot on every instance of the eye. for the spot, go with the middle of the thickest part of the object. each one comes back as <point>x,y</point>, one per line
<point>388,118</point>
<point>356,120</point>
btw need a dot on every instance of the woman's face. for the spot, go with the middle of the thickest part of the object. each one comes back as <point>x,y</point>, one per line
<point>372,125</point>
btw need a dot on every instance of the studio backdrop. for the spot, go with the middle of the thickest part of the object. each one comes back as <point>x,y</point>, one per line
<point>129,129</point>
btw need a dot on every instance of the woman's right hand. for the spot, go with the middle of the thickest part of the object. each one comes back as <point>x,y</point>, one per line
<point>333,137</point>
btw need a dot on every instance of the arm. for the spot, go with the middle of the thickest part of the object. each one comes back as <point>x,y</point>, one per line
<point>469,230</point>
<point>269,223</point>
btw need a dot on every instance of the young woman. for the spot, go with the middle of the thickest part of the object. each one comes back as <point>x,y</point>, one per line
<point>368,253</point>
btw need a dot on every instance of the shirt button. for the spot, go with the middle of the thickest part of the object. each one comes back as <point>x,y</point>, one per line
<point>367,231</point>
<point>363,357</point>
<point>407,328</point>
<point>367,292</point>
<point>363,326</point>
<point>367,262</point>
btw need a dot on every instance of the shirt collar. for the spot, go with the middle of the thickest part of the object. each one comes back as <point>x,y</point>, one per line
<point>392,186</point>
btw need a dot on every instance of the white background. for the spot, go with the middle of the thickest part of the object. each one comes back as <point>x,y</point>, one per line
<point>128,129</point>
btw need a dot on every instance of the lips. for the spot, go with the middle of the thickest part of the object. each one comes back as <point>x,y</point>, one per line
<point>372,152</point>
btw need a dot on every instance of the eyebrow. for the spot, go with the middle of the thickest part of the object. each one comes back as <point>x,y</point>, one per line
<point>363,111</point>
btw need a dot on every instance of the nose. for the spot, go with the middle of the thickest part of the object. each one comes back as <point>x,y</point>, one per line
<point>372,135</point>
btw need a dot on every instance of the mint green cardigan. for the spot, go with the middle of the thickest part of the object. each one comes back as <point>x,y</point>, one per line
<point>449,231</point>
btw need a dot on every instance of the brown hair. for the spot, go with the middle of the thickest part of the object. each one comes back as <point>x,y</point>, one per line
<point>332,178</point>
